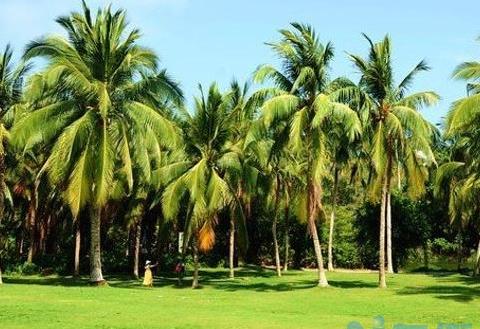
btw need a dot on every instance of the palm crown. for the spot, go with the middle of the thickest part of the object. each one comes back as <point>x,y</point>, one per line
<point>110,96</point>
<point>304,102</point>
<point>210,157</point>
<point>392,117</point>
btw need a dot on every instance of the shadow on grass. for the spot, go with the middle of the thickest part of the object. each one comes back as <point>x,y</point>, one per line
<point>448,285</point>
<point>355,284</point>
<point>47,281</point>
<point>448,292</point>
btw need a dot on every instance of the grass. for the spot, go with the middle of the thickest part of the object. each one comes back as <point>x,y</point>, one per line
<point>255,299</point>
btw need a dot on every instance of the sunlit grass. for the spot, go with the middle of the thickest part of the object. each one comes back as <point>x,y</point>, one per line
<point>255,299</point>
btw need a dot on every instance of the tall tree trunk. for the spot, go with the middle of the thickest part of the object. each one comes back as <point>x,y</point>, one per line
<point>127,249</point>
<point>195,264</point>
<point>32,230</point>
<point>287,226</point>
<point>136,257</point>
<point>78,240</point>
<point>476,269</point>
<point>20,243</point>
<point>278,266</point>
<point>389,234</point>
<point>2,183</point>
<point>43,235</point>
<point>2,197</point>
<point>312,213</point>
<point>231,247</point>
<point>382,282</point>
<point>332,219</point>
<point>96,276</point>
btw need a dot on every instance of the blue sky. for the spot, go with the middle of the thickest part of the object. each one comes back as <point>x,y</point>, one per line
<point>213,40</point>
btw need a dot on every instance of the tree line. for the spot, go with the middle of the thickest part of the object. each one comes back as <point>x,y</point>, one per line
<point>98,145</point>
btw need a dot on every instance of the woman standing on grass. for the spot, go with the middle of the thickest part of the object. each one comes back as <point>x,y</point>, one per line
<point>148,279</point>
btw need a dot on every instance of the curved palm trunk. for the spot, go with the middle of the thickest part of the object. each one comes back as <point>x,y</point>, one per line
<point>312,212</point>
<point>136,258</point>
<point>278,266</point>
<point>231,247</point>
<point>96,276</point>
<point>195,284</point>
<point>332,220</point>
<point>389,234</point>
<point>78,239</point>
<point>287,236</point>
<point>476,270</point>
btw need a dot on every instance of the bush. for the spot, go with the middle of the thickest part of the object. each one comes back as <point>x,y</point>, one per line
<point>23,269</point>
<point>345,249</point>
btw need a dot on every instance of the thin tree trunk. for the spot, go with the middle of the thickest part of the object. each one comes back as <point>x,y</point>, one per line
<point>2,183</point>
<point>278,266</point>
<point>381,261</point>
<point>2,197</point>
<point>43,236</point>
<point>476,269</point>
<point>127,249</point>
<point>78,240</point>
<point>332,220</point>
<point>96,276</point>
<point>287,235</point>
<point>322,278</point>
<point>231,247</point>
<point>389,235</point>
<point>32,229</point>
<point>195,264</point>
<point>136,258</point>
<point>20,245</point>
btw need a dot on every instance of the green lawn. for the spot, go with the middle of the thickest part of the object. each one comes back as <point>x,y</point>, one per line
<point>256,299</point>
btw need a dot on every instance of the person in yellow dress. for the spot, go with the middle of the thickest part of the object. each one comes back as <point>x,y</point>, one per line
<point>148,278</point>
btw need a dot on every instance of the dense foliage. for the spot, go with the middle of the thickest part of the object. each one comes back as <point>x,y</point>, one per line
<point>103,167</point>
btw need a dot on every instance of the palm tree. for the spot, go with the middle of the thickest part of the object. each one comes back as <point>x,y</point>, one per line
<point>244,111</point>
<point>341,153</point>
<point>305,103</point>
<point>108,90</point>
<point>11,91</point>
<point>202,178</point>
<point>395,127</point>
<point>462,189</point>
<point>459,177</point>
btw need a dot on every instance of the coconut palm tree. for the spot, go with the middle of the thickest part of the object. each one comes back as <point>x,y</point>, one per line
<point>341,151</point>
<point>305,103</point>
<point>108,88</point>
<point>245,107</point>
<point>459,177</point>
<point>395,126</point>
<point>11,91</point>
<point>462,189</point>
<point>202,178</point>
